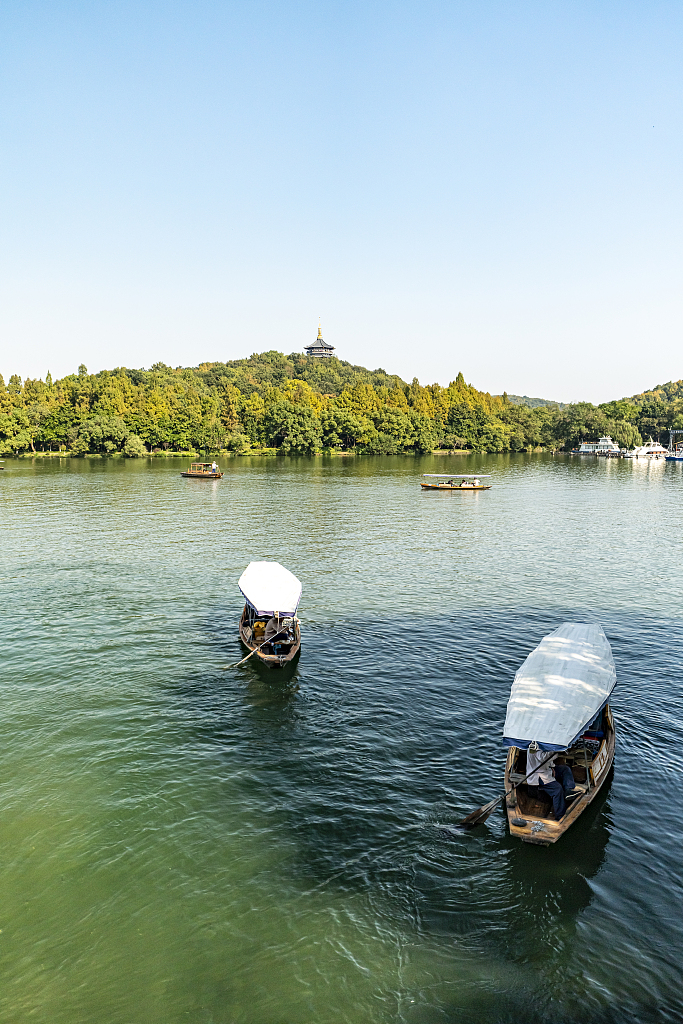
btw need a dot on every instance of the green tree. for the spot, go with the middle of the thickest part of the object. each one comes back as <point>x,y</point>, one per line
<point>293,429</point>
<point>102,434</point>
<point>342,429</point>
<point>134,448</point>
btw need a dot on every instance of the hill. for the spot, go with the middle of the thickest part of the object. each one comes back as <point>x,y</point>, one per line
<point>533,403</point>
<point>294,404</point>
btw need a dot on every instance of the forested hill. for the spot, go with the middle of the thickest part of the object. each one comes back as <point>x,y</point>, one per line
<point>534,403</point>
<point>665,393</point>
<point>299,405</point>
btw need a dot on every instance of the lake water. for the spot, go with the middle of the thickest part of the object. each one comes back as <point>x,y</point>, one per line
<point>182,841</point>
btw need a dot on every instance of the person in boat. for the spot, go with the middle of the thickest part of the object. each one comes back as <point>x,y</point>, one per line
<point>555,779</point>
<point>214,467</point>
<point>273,627</point>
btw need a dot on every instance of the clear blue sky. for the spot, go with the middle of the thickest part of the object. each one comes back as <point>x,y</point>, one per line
<point>492,187</point>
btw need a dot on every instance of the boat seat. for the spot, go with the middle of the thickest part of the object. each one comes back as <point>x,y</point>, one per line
<point>516,777</point>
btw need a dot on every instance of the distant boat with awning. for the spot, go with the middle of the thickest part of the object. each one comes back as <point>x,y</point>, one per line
<point>203,471</point>
<point>559,703</point>
<point>456,482</point>
<point>269,626</point>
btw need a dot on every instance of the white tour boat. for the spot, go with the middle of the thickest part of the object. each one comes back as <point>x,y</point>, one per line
<point>650,450</point>
<point>605,446</point>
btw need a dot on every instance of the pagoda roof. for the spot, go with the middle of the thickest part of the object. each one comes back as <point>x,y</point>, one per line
<point>318,343</point>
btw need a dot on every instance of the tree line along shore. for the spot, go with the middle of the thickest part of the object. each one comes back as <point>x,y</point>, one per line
<point>298,405</point>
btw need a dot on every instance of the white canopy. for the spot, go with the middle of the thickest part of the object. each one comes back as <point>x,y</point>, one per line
<point>560,688</point>
<point>270,588</point>
<point>463,476</point>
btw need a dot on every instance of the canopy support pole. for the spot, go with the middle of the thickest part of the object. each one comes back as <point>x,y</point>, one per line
<point>588,771</point>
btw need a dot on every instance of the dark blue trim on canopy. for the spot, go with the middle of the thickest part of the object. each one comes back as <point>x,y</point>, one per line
<point>524,744</point>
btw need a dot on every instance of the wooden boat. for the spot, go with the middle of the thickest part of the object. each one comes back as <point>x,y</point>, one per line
<point>559,699</point>
<point>203,471</point>
<point>269,625</point>
<point>463,482</point>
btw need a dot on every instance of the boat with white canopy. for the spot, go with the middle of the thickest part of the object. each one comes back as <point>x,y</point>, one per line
<point>269,626</point>
<point>456,482</point>
<point>559,703</point>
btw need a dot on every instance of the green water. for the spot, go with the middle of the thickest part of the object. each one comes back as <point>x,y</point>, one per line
<point>186,841</point>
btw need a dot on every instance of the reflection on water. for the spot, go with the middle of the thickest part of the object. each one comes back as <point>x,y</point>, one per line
<point>186,840</point>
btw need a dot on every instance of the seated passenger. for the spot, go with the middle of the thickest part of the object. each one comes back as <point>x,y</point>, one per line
<point>273,628</point>
<point>556,780</point>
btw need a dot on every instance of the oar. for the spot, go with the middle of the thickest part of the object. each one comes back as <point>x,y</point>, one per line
<point>268,641</point>
<point>481,814</point>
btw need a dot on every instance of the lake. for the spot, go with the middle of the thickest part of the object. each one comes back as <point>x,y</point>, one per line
<point>183,841</point>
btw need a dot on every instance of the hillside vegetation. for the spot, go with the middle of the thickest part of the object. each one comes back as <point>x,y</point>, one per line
<point>298,405</point>
<point>533,403</point>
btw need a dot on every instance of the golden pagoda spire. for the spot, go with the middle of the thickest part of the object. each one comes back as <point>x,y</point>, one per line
<point>320,330</point>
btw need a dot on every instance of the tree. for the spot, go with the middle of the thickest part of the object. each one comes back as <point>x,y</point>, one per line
<point>102,434</point>
<point>238,443</point>
<point>625,434</point>
<point>425,433</point>
<point>134,448</point>
<point>343,429</point>
<point>294,429</point>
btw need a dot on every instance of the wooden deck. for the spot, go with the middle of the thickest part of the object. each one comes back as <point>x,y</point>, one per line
<point>252,638</point>
<point>529,809</point>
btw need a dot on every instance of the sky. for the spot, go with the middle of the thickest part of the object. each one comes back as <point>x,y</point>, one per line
<point>486,187</point>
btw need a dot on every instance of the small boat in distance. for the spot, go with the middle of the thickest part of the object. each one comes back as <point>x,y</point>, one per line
<point>269,625</point>
<point>457,482</point>
<point>559,702</point>
<point>203,471</point>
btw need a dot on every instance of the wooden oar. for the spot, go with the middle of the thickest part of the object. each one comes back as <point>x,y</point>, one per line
<point>481,814</point>
<point>268,641</point>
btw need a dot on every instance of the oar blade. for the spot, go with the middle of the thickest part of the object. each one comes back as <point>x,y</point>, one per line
<point>480,815</point>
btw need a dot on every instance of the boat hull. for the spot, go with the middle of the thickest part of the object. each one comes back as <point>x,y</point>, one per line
<point>538,829</point>
<point>270,659</point>
<point>454,487</point>
<point>203,476</point>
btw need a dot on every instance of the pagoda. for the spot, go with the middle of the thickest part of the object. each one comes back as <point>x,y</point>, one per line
<point>319,349</point>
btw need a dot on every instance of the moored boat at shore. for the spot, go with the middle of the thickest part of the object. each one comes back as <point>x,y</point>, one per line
<point>605,446</point>
<point>269,626</point>
<point>456,482</point>
<point>559,707</point>
<point>650,450</point>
